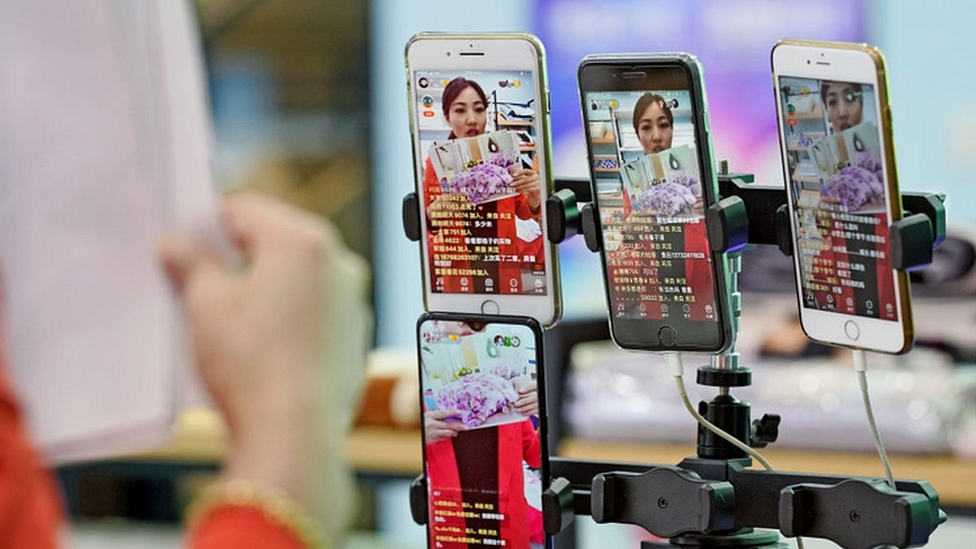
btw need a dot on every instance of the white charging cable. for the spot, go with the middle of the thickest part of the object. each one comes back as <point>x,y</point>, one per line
<point>861,367</point>
<point>678,370</point>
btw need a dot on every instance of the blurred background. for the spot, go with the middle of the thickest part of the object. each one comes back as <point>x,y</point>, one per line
<point>308,104</point>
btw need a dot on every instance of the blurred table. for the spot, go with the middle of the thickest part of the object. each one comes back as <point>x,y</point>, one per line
<point>393,451</point>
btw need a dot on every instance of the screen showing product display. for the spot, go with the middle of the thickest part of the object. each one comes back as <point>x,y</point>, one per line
<point>837,181</point>
<point>483,434</point>
<point>649,195</point>
<point>482,190</point>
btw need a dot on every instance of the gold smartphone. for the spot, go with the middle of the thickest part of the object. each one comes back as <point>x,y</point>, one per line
<point>839,167</point>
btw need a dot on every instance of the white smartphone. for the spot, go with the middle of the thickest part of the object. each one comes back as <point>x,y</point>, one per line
<point>479,119</point>
<point>839,166</point>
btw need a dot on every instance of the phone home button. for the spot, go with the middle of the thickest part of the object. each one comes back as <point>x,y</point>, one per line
<point>489,307</point>
<point>667,336</point>
<point>852,330</point>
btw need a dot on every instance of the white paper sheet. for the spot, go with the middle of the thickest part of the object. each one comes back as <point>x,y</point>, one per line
<point>104,145</point>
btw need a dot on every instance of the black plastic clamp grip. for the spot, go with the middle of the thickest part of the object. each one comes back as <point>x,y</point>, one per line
<point>912,241</point>
<point>727,224</point>
<point>591,228</point>
<point>856,514</point>
<point>563,216</point>
<point>410,214</point>
<point>912,238</point>
<point>665,501</point>
<point>933,206</point>
<point>784,238</point>
<point>557,506</point>
<point>418,500</point>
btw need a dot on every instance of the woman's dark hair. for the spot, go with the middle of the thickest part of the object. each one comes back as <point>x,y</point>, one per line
<point>644,102</point>
<point>853,85</point>
<point>454,88</point>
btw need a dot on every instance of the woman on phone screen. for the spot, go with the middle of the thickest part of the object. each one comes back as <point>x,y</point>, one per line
<point>844,102</point>
<point>654,125</point>
<point>465,108</point>
<point>485,468</point>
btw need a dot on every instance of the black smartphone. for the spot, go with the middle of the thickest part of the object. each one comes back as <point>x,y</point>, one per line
<point>483,417</point>
<point>653,176</point>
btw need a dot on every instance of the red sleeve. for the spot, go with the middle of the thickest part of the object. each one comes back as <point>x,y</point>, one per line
<point>233,527</point>
<point>522,208</point>
<point>30,506</point>
<point>432,191</point>
<point>432,187</point>
<point>531,448</point>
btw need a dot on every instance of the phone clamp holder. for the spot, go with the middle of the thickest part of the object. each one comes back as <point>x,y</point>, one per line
<point>410,215</point>
<point>714,499</point>
<point>562,220</point>
<point>913,238</point>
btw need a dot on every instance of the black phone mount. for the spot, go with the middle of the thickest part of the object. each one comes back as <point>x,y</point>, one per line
<point>714,499</point>
<point>758,214</point>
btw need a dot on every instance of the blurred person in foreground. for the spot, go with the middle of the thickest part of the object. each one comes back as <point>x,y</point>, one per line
<point>259,334</point>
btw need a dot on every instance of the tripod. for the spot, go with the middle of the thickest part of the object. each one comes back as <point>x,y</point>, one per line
<point>714,499</point>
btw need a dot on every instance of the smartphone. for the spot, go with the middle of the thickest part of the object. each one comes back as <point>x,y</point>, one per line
<point>839,168</point>
<point>653,176</point>
<point>479,118</point>
<point>483,412</point>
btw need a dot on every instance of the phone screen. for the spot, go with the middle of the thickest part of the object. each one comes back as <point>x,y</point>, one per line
<point>651,195</point>
<point>479,138</point>
<point>838,188</point>
<point>484,444</point>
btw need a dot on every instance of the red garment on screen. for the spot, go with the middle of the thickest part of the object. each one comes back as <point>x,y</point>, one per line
<point>514,443</point>
<point>514,206</point>
<point>698,273</point>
